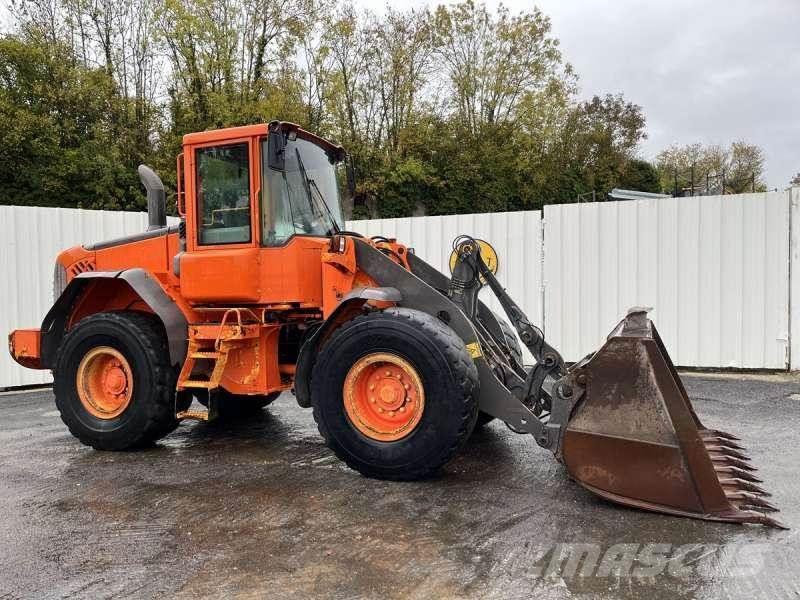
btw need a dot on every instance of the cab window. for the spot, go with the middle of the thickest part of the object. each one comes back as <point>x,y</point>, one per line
<point>223,194</point>
<point>303,198</point>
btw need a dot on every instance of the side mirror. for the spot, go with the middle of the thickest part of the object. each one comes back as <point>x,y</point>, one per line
<point>275,148</point>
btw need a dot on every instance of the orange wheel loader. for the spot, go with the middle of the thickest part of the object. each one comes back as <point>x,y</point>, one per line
<point>259,290</point>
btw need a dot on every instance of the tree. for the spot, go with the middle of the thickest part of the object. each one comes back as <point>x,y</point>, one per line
<point>795,181</point>
<point>59,145</point>
<point>732,170</point>
<point>640,175</point>
<point>744,170</point>
<point>493,62</point>
<point>598,139</point>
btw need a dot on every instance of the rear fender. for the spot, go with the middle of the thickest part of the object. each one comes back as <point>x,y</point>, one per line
<point>148,290</point>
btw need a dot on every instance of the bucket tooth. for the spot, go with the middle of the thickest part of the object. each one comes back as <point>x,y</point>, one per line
<point>763,505</point>
<point>757,507</point>
<point>749,516</point>
<point>739,484</point>
<point>725,451</point>
<point>746,505</point>
<point>760,506</point>
<point>751,501</point>
<point>733,462</point>
<point>718,441</point>
<point>737,473</point>
<point>722,434</point>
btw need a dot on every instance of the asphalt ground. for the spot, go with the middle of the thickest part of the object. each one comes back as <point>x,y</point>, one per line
<point>261,508</point>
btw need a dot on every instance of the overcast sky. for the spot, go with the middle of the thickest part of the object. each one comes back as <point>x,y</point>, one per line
<point>710,71</point>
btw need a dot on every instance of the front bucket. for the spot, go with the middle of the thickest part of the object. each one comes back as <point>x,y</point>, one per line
<point>635,439</point>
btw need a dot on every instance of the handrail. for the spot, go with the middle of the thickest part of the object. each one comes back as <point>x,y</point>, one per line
<point>180,193</point>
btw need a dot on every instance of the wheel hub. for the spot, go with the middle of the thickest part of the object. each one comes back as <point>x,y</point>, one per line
<point>104,382</point>
<point>383,396</point>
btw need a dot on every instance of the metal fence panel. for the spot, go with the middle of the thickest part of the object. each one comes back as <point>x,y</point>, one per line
<point>516,236</point>
<point>715,269</point>
<point>30,239</point>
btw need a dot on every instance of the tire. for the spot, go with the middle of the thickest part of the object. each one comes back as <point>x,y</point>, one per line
<point>447,375</point>
<point>236,405</point>
<point>150,413</point>
<point>512,342</point>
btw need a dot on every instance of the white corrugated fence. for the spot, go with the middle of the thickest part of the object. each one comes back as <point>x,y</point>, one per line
<point>715,269</point>
<point>30,239</point>
<point>515,236</point>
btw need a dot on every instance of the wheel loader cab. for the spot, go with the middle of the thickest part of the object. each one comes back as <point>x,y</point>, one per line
<point>260,205</point>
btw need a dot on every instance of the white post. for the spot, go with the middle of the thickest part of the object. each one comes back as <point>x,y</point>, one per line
<point>794,278</point>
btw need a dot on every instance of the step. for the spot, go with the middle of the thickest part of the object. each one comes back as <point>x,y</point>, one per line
<point>211,354</point>
<point>197,415</point>
<point>194,383</point>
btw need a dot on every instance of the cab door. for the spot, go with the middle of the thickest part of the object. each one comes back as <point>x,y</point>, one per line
<point>221,262</point>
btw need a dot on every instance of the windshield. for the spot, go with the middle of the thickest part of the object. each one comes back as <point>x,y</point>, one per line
<point>304,198</point>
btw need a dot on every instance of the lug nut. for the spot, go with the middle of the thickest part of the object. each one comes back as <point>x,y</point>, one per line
<point>372,400</point>
<point>407,386</point>
<point>402,409</point>
<point>372,387</point>
<point>380,410</point>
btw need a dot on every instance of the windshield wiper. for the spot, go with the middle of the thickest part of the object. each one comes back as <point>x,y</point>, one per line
<point>309,184</point>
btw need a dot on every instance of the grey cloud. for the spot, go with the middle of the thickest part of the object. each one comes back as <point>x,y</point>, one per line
<point>710,71</point>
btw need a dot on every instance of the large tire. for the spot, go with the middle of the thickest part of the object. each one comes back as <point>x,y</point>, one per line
<point>150,412</point>
<point>448,377</point>
<point>512,342</point>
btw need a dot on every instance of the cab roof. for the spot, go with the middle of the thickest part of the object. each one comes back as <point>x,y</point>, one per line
<point>233,133</point>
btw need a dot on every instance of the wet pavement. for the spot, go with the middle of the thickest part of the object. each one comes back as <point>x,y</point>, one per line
<point>261,508</point>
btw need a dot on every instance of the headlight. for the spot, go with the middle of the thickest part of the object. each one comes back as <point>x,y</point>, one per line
<point>59,281</point>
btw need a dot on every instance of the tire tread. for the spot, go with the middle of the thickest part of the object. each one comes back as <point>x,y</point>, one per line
<point>160,415</point>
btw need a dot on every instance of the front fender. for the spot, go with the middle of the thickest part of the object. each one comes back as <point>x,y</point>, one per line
<point>350,306</point>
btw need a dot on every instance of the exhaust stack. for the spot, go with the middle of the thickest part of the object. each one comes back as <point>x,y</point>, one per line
<point>156,198</point>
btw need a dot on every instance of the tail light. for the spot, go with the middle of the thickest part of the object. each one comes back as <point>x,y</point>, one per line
<point>59,280</point>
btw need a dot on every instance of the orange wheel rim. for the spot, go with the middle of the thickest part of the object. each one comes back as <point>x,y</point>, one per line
<point>384,397</point>
<point>105,382</point>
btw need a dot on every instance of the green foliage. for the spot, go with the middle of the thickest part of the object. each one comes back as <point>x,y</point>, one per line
<point>640,175</point>
<point>406,184</point>
<point>60,145</point>
<point>719,170</point>
<point>451,110</point>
